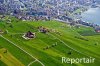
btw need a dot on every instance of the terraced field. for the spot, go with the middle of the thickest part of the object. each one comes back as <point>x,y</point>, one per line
<point>31,52</point>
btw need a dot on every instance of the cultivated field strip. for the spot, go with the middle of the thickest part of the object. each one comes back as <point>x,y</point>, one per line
<point>23,50</point>
<point>68,45</point>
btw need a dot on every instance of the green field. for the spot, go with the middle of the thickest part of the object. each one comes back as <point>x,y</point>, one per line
<point>8,59</point>
<point>79,41</point>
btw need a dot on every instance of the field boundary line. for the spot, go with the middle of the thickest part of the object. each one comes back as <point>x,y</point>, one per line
<point>32,62</point>
<point>22,50</point>
<point>68,45</point>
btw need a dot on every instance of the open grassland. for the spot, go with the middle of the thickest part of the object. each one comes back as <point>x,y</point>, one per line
<point>66,37</point>
<point>16,52</point>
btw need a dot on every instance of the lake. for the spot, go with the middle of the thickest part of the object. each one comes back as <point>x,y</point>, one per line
<point>92,15</point>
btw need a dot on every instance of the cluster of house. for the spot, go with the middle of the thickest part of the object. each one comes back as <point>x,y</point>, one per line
<point>95,26</point>
<point>24,18</point>
<point>43,29</point>
<point>30,35</point>
<point>77,22</point>
<point>43,7</point>
<point>64,18</point>
<point>28,17</point>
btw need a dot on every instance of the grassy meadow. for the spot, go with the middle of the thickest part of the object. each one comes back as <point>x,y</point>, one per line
<point>79,41</point>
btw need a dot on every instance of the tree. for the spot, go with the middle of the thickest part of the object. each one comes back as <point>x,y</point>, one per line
<point>11,26</point>
<point>5,32</point>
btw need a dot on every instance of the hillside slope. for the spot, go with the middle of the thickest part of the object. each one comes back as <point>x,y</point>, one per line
<point>65,38</point>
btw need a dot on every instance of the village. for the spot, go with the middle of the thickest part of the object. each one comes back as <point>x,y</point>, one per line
<point>48,10</point>
<point>41,32</point>
<point>29,35</point>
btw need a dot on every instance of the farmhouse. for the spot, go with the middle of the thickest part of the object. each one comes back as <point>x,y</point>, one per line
<point>97,30</point>
<point>29,35</point>
<point>43,29</point>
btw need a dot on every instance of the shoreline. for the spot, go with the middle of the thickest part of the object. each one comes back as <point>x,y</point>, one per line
<point>79,21</point>
<point>95,25</point>
<point>81,17</point>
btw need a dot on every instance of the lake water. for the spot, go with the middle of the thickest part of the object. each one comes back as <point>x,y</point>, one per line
<point>92,15</point>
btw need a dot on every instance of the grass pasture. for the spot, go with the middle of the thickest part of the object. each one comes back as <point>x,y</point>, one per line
<point>8,59</point>
<point>63,35</point>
